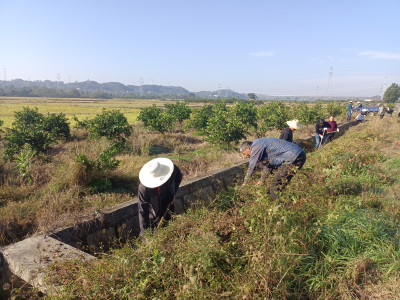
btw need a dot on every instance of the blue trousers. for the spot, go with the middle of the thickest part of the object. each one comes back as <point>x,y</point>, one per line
<point>318,140</point>
<point>348,115</point>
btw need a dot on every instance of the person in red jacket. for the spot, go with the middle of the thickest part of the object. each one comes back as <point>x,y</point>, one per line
<point>334,128</point>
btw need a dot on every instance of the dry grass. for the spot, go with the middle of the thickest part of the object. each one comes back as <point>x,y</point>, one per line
<point>315,242</point>
<point>60,193</point>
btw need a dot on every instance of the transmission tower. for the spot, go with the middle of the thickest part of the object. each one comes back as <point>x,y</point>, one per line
<point>69,78</point>
<point>329,88</point>
<point>141,83</point>
<point>226,92</point>
<point>383,89</point>
<point>219,87</point>
<point>58,79</point>
<point>5,74</point>
<point>151,80</point>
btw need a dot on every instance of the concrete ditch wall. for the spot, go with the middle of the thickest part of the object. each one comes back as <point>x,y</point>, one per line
<point>28,258</point>
<point>98,232</point>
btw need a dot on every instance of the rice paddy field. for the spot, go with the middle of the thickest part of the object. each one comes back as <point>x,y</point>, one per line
<point>82,108</point>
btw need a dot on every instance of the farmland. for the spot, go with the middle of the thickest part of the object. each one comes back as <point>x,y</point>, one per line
<point>70,175</point>
<point>243,243</point>
<point>80,107</point>
<point>333,234</point>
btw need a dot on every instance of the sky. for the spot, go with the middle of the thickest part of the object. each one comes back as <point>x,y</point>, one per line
<point>284,47</point>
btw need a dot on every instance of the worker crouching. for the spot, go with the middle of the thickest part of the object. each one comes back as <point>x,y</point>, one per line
<point>280,157</point>
<point>159,182</point>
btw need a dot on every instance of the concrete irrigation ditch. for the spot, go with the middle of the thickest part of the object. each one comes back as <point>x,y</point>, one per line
<point>29,258</point>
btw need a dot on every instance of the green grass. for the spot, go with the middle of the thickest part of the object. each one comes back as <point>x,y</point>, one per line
<point>328,237</point>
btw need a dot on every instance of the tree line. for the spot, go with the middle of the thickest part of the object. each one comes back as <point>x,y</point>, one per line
<point>36,91</point>
<point>223,125</point>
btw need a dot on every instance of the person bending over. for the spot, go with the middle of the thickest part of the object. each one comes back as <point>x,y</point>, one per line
<point>287,133</point>
<point>159,182</point>
<point>273,154</point>
<point>321,129</point>
<point>360,118</point>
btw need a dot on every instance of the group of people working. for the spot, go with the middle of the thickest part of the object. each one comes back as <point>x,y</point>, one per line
<point>160,178</point>
<point>362,112</point>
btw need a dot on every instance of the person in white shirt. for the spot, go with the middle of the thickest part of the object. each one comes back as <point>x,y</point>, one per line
<point>360,118</point>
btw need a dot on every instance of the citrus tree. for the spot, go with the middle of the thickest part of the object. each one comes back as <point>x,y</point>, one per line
<point>199,117</point>
<point>111,124</point>
<point>179,110</point>
<point>224,128</point>
<point>155,119</point>
<point>35,129</point>
<point>273,115</point>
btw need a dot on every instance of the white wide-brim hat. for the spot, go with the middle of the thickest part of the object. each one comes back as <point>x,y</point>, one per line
<point>294,124</point>
<point>364,109</point>
<point>156,172</point>
<point>358,102</point>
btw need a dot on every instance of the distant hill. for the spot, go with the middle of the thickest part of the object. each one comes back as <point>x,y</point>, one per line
<point>119,89</point>
<point>91,86</point>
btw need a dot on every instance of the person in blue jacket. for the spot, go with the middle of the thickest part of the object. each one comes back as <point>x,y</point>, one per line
<point>271,154</point>
<point>349,109</point>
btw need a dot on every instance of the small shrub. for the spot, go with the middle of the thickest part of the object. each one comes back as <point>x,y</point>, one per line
<point>111,124</point>
<point>179,110</point>
<point>224,128</point>
<point>155,119</point>
<point>105,161</point>
<point>24,161</point>
<point>33,128</point>
<point>273,115</point>
<point>199,118</point>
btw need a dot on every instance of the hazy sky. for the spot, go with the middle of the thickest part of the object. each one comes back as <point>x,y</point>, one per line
<point>270,47</point>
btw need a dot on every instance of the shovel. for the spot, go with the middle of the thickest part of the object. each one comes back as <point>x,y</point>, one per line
<point>166,211</point>
<point>320,143</point>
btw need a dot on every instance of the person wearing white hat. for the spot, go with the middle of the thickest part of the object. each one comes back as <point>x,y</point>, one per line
<point>381,111</point>
<point>159,182</point>
<point>349,110</point>
<point>287,133</point>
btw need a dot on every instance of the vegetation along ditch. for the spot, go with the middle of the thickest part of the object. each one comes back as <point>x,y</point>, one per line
<point>333,233</point>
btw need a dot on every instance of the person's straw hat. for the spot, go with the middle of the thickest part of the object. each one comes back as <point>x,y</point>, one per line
<point>294,124</point>
<point>351,101</point>
<point>156,172</point>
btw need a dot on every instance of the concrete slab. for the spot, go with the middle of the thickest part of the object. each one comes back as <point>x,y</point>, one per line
<point>29,258</point>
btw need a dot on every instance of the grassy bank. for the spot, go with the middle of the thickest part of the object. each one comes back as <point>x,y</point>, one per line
<point>63,191</point>
<point>334,234</point>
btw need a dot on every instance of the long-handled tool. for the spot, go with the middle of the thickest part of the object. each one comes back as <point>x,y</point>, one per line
<point>320,143</point>
<point>166,211</point>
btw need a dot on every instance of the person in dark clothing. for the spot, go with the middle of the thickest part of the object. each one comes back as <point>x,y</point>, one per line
<point>389,111</point>
<point>273,154</point>
<point>320,132</point>
<point>334,128</point>
<point>287,133</point>
<point>159,182</point>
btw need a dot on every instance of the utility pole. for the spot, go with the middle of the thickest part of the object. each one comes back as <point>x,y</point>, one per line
<point>141,83</point>
<point>58,79</point>
<point>383,89</point>
<point>219,87</point>
<point>329,88</point>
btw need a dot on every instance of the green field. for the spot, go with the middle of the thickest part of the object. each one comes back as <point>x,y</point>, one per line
<point>82,108</point>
